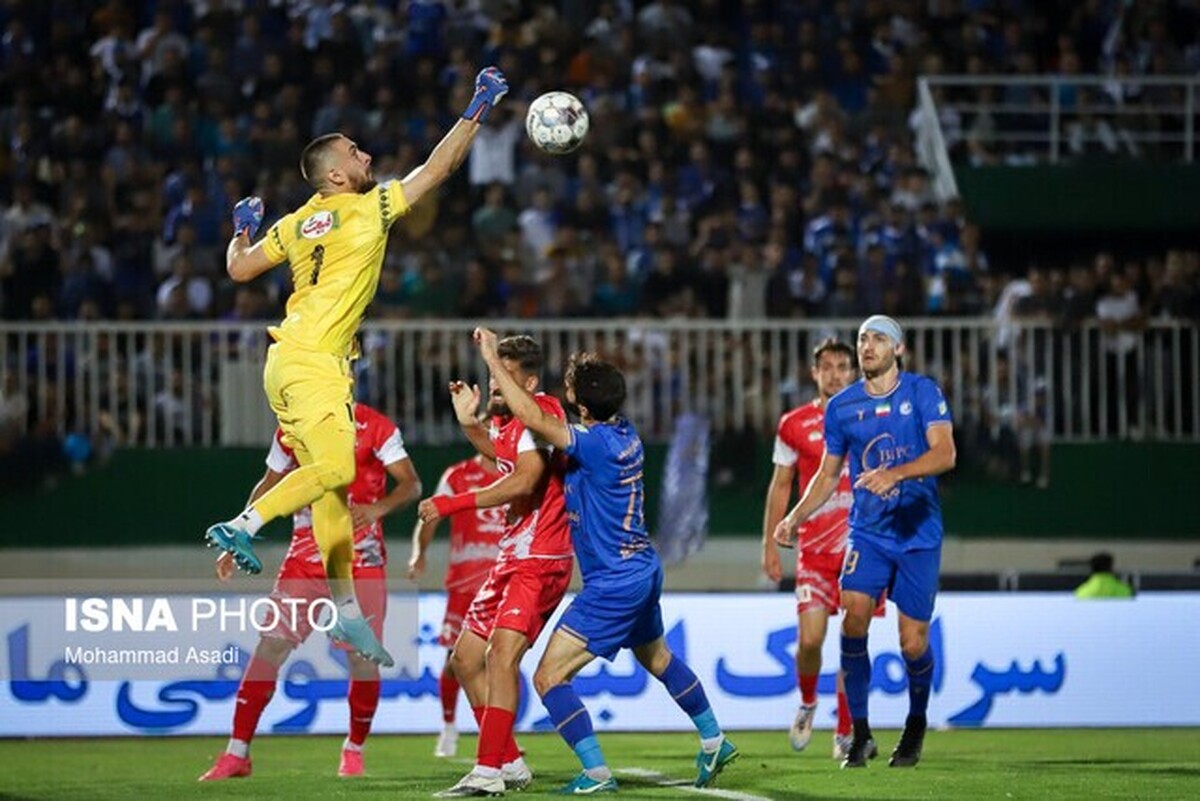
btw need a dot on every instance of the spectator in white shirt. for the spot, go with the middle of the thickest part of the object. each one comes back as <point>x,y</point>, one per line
<point>1120,316</point>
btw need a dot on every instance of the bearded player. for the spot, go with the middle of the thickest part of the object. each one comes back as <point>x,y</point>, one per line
<point>474,545</point>
<point>619,605</point>
<point>335,244</point>
<point>528,580</point>
<point>799,444</point>
<point>896,431</point>
<point>378,453</point>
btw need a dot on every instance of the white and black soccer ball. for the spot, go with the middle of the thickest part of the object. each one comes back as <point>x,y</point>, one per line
<point>557,122</point>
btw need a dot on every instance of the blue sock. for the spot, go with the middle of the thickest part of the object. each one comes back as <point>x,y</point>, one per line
<point>685,688</point>
<point>920,677</point>
<point>856,663</point>
<point>573,722</point>
<point>589,753</point>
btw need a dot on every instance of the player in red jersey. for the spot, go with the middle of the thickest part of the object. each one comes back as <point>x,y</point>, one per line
<point>799,446</point>
<point>378,452</point>
<point>474,545</point>
<point>530,576</point>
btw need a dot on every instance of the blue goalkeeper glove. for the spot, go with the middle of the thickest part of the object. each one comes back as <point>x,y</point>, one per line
<point>248,215</point>
<point>490,86</point>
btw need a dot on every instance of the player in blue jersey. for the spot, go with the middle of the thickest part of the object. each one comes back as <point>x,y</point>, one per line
<point>618,606</point>
<point>895,429</point>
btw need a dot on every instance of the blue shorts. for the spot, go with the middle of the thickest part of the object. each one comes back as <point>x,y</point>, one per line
<point>910,577</point>
<point>609,616</point>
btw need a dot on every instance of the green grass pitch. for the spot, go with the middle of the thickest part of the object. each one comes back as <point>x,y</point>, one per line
<point>1026,764</point>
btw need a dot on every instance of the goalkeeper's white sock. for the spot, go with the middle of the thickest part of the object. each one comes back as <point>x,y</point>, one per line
<point>349,609</point>
<point>250,521</point>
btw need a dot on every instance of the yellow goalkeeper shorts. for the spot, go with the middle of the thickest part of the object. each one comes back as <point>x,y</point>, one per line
<point>305,387</point>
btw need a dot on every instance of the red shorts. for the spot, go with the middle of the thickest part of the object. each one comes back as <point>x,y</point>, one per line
<point>300,583</point>
<point>818,584</point>
<point>520,595</point>
<point>457,604</point>
<point>817,589</point>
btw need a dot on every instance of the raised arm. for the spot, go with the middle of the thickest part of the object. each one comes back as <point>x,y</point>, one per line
<point>466,408</point>
<point>490,86</point>
<point>442,162</point>
<point>521,403</point>
<point>245,260</point>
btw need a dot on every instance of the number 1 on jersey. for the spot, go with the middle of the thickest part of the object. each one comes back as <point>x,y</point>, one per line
<point>318,258</point>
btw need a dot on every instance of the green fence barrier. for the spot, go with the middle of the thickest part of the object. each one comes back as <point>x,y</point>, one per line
<point>147,497</point>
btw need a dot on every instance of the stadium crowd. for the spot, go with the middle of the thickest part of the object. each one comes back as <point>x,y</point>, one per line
<point>745,160</point>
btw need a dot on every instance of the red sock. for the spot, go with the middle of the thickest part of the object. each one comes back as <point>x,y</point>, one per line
<point>808,688</point>
<point>511,751</point>
<point>255,691</point>
<point>494,734</point>
<point>364,700</point>
<point>448,690</point>
<point>845,723</point>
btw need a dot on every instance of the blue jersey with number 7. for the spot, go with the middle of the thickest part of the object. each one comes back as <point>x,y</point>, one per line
<point>605,502</point>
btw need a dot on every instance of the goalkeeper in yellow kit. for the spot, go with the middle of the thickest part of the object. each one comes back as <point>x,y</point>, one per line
<point>335,245</point>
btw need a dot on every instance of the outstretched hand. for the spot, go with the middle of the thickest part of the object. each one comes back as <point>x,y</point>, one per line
<point>490,87</point>
<point>487,340</point>
<point>466,402</point>
<point>248,215</point>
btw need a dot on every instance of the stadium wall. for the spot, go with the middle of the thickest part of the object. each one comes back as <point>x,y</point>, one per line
<point>1054,664</point>
<point>1110,491</point>
<point>1099,198</point>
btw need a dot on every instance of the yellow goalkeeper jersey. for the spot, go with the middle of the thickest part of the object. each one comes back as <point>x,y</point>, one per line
<point>335,246</point>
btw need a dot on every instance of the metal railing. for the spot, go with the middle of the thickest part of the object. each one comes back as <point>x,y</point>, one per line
<point>200,384</point>
<point>1053,117</point>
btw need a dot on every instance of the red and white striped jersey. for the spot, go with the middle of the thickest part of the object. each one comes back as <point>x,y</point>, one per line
<point>800,443</point>
<point>474,533</point>
<point>377,444</point>
<point>537,525</point>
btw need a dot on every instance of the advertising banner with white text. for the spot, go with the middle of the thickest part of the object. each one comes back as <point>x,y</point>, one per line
<point>1005,660</point>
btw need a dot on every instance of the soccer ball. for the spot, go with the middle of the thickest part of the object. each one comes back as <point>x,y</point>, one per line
<point>557,122</point>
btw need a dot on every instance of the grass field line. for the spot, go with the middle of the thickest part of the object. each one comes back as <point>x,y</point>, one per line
<point>664,780</point>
